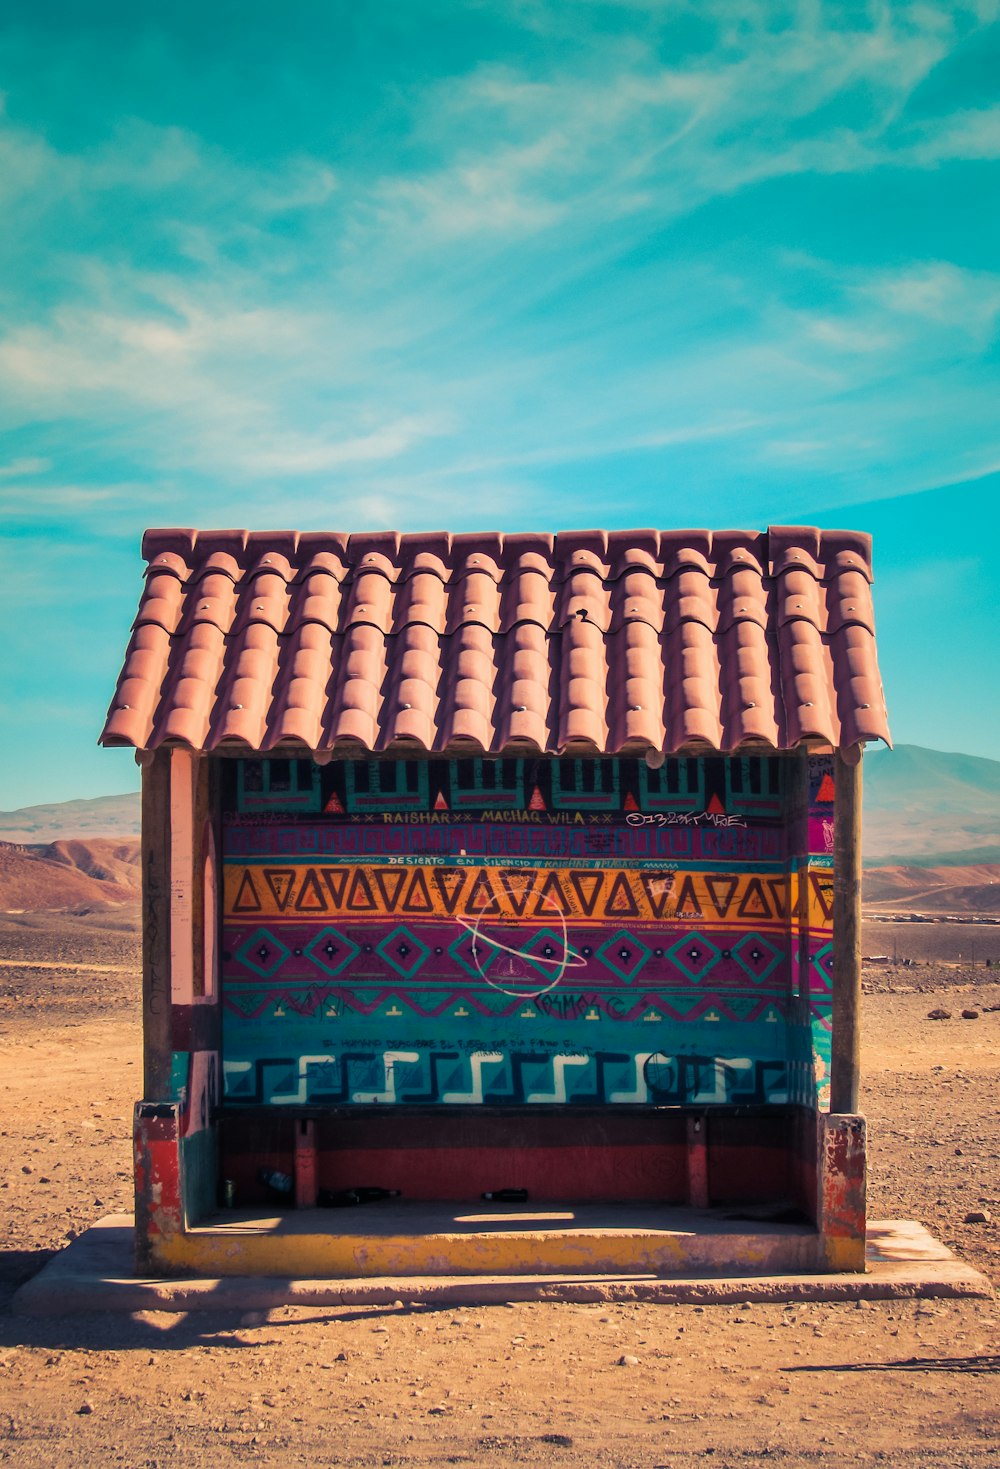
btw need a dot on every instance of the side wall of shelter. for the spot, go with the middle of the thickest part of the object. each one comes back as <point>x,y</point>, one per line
<point>175,1134</point>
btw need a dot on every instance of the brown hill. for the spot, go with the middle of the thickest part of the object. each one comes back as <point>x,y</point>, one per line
<point>69,874</point>
<point>108,859</point>
<point>974,889</point>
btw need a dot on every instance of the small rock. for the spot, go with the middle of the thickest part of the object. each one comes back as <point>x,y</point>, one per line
<point>977,1216</point>
<point>970,1014</point>
<point>939,1014</point>
<point>626,1361</point>
<point>85,1408</point>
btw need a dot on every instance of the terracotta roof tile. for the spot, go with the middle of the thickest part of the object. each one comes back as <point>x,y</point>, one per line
<point>589,639</point>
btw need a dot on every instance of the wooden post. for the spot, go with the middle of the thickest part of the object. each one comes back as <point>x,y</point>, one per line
<point>797,816</point>
<point>202,922</point>
<point>846,1057</point>
<point>156,990</point>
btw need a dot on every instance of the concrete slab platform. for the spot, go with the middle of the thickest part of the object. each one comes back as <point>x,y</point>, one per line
<point>94,1273</point>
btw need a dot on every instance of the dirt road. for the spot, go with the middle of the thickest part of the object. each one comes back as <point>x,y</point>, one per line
<point>901,1383</point>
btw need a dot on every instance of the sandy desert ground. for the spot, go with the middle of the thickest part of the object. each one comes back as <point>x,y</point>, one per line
<point>910,1383</point>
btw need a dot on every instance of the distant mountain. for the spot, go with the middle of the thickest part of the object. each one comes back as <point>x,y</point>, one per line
<point>927,808</point>
<point>104,816</point>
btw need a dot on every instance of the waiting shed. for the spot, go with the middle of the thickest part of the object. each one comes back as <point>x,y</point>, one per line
<point>485,862</point>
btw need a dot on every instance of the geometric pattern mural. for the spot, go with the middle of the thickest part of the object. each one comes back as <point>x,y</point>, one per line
<point>518,932</point>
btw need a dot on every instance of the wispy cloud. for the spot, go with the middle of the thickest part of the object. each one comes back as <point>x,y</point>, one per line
<point>18,468</point>
<point>311,454</point>
<point>629,133</point>
<point>143,159</point>
<point>799,449</point>
<point>591,448</point>
<point>942,294</point>
<point>969,136</point>
<point>847,335</point>
<point>63,502</point>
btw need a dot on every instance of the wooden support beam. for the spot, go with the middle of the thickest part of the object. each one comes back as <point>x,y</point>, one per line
<point>797,818</point>
<point>845,1066</point>
<point>156,996</point>
<point>203,920</point>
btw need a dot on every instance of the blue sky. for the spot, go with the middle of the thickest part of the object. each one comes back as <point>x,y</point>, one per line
<point>513,264</point>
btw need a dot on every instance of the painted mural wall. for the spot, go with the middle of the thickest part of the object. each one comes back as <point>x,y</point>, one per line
<point>524,931</point>
<point>812,868</point>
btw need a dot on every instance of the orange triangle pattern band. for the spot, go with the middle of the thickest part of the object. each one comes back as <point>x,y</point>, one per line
<point>522,894</point>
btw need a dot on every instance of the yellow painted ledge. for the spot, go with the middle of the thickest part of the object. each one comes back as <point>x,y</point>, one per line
<point>314,1245</point>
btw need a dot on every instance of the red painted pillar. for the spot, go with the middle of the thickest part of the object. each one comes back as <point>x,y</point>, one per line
<point>841,1214</point>
<point>159,1211</point>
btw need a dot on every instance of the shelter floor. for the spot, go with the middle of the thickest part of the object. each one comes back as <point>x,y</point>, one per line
<point>416,1216</point>
<point>403,1237</point>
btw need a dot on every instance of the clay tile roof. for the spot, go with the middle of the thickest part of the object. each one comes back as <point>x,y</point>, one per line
<point>593,641</point>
